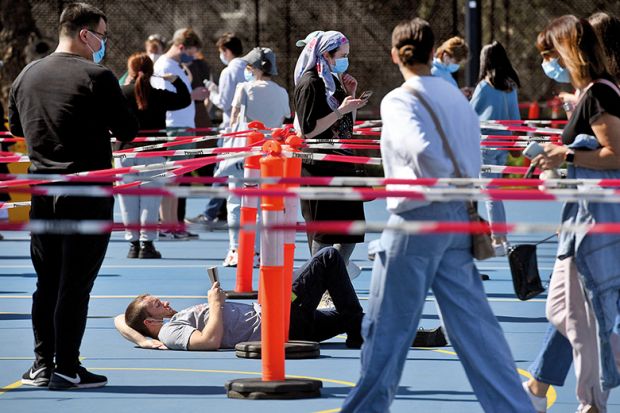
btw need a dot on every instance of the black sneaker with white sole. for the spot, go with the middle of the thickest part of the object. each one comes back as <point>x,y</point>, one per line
<point>83,379</point>
<point>37,376</point>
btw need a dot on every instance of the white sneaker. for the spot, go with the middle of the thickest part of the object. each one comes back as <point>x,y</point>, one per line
<point>231,259</point>
<point>540,403</point>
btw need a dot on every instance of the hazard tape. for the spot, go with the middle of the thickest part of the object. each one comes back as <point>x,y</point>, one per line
<point>528,121</point>
<point>10,205</point>
<point>332,227</point>
<point>420,194</point>
<point>512,128</point>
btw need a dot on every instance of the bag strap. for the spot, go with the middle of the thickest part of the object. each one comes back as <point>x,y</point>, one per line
<point>438,126</point>
<point>545,240</point>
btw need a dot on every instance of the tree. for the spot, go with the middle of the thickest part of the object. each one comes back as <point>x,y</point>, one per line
<point>17,31</point>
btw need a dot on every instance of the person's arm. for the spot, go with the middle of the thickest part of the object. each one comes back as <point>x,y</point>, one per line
<point>607,131</point>
<point>15,124</point>
<point>513,106</point>
<point>175,101</point>
<point>121,120</point>
<point>236,106</point>
<point>135,337</point>
<point>210,338</point>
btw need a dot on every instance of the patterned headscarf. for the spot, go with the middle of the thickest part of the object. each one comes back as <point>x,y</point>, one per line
<point>312,57</point>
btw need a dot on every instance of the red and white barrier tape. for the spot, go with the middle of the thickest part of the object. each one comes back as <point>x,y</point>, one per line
<point>512,128</point>
<point>10,205</point>
<point>332,227</point>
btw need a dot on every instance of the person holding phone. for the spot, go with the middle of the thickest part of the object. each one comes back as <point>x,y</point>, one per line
<point>325,107</point>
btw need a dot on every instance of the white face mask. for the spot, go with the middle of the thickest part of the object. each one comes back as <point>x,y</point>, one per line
<point>223,59</point>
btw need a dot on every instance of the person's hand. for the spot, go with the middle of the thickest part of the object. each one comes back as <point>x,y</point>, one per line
<point>216,296</point>
<point>566,97</point>
<point>349,83</point>
<point>169,77</point>
<point>552,158</point>
<point>349,104</point>
<point>200,93</point>
<point>153,344</point>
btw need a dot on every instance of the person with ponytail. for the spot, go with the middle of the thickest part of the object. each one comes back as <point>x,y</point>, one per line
<point>417,118</point>
<point>150,106</point>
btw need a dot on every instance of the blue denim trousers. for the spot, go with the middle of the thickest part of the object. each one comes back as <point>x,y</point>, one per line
<point>495,209</point>
<point>405,268</point>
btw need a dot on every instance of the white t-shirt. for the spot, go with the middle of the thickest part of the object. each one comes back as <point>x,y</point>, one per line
<point>410,144</point>
<point>264,100</point>
<point>182,118</point>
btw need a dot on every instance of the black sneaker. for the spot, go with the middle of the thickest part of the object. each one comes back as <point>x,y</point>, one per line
<point>83,379</point>
<point>38,377</point>
<point>134,249</point>
<point>147,250</point>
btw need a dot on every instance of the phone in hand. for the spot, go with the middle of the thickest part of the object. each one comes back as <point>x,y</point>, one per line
<point>532,150</point>
<point>213,274</point>
<point>366,95</point>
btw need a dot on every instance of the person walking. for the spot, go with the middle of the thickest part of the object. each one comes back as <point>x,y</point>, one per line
<point>495,98</point>
<point>425,122</point>
<point>65,105</point>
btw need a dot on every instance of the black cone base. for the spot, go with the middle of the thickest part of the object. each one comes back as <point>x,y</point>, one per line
<point>256,389</point>
<point>233,295</point>
<point>293,349</point>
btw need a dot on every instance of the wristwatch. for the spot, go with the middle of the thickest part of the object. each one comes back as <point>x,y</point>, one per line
<point>338,113</point>
<point>568,106</point>
<point>569,156</point>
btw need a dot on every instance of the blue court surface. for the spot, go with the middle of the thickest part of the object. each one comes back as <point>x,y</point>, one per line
<point>174,381</point>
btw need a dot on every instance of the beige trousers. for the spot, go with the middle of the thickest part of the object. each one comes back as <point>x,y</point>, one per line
<point>569,310</point>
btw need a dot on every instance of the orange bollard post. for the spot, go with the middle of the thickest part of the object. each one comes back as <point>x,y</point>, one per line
<point>247,238</point>
<point>534,111</point>
<point>292,169</point>
<point>271,268</point>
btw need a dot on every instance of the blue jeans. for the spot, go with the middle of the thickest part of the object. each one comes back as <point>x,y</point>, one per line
<point>495,209</point>
<point>405,267</point>
<point>553,362</point>
<point>212,209</point>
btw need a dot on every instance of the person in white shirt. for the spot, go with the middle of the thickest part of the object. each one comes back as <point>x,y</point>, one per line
<point>185,44</point>
<point>258,98</point>
<point>406,266</point>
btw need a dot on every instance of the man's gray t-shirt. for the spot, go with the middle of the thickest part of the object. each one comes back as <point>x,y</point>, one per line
<point>241,323</point>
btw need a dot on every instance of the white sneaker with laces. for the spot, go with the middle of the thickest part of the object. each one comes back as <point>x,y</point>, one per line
<point>231,259</point>
<point>540,403</point>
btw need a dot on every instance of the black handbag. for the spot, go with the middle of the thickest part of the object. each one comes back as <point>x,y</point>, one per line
<point>524,269</point>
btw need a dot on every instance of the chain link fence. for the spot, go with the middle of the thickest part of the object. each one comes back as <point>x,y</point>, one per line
<point>278,24</point>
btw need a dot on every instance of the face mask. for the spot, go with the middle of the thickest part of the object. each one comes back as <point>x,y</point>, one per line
<point>341,65</point>
<point>154,56</point>
<point>249,76</point>
<point>223,59</point>
<point>452,67</point>
<point>185,58</point>
<point>98,55</point>
<point>556,72</point>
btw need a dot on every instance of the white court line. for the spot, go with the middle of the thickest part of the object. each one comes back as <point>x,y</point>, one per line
<point>125,266</point>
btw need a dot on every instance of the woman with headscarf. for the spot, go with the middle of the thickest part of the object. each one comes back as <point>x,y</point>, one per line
<point>324,106</point>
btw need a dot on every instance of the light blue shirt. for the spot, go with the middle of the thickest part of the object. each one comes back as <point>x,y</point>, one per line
<point>440,70</point>
<point>493,104</point>
<point>230,77</point>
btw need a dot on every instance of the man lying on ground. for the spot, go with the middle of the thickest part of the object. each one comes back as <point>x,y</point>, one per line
<point>219,324</point>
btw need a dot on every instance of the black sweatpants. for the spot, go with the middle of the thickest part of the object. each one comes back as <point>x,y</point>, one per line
<point>324,272</point>
<point>66,267</point>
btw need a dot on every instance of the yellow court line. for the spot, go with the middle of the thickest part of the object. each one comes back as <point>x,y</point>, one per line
<point>11,386</point>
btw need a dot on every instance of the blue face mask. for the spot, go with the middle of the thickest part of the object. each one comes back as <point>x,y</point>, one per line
<point>554,71</point>
<point>341,65</point>
<point>452,67</point>
<point>185,58</point>
<point>99,54</point>
<point>249,76</point>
